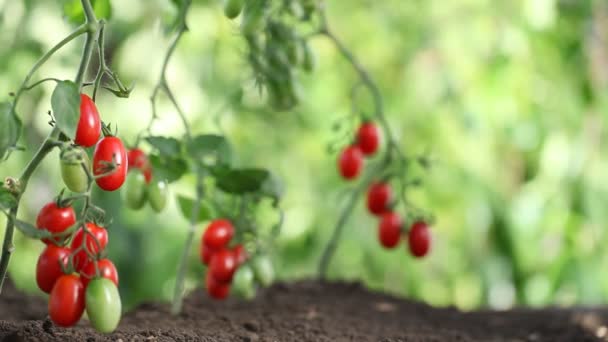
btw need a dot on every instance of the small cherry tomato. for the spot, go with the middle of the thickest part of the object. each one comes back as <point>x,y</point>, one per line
<point>139,160</point>
<point>206,253</point>
<point>135,190</point>
<point>240,253</point>
<point>48,268</point>
<point>389,232</point>
<point>157,195</point>
<point>106,270</point>
<point>379,197</point>
<point>350,162</point>
<point>368,138</point>
<point>243,282</point>
<point>110,149</point>
<point>263,270</point>
<point>223,265</point>
<point>233,8</point>
<point>218,233</point>
<point>103,305</point>
<point>89,123</point>
<point>56,220</point>
<point>216,289</point>
<point>74,176</point>
<point>66,303</point>
<point>419,239</point>
<point>94,245</point>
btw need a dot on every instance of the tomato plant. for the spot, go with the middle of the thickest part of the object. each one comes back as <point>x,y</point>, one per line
<point>103,304</point>
<point>419,239</point>
<point>89,123</point>
<point>379,197</point>
<point>103,268</point>
<point>87,243</point>
<point>389,231</point>
<point>66,303</point>
<point>50,266</point>
<point>368,138</point>
<point>350,162</point>
<point>55,219</point>
<point>109,152</point>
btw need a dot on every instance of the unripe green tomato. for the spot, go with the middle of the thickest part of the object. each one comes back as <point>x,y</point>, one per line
<point>263,270</point>
<point>73,175</point>
<point>233,8</point>
<point>243,282</point>
<point>295,53</point>
<point>158,192</point>
<point>103,305</point>
<point>254,17</point>
<point>309,61</point>
<point>135,190</point>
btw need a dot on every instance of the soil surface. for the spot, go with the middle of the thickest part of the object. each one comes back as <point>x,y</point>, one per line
<point>307,311</point>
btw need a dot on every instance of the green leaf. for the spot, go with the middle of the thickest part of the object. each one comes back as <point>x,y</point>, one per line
<point>240,181</point>
<point>72,9</point>
<point>210,145</point>
<point>65,102</point>
<point>168,168</point>
<point>7,200</point>
<point>31,231</point>
<point>205,212</point>
<point>10,128</point>
<point>165,146</point>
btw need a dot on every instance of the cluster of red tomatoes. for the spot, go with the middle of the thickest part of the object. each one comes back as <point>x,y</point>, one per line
<point>231,267</point>
<point>140,188</point>
<point>350,162</point>
<point>75,274</point>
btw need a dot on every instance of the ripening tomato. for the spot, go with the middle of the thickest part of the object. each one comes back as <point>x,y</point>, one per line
<point>89,124</point>
<point>379,197</point>
<point>110,149</point>
<point>56,220</point>
<point>135,191</point>
<point>368,138</point>
<point>222,265</point>
<point>103,305</point>
<point>419,239</point>
<point>218,233</point>
<point>137,159</point>
<point>350,162</point>
<point>240,253</point>
<point>389,232</point>
<point>106,270</point>
<point>66,303</point>
<point>48,268</point>
<point>81,258</point>
<point>263,270</point>
<point>157,195</point>
<point>206,253</point>
<point>243,283</point>
<point>216,289</point>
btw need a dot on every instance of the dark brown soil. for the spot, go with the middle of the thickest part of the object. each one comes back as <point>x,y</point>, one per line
<point>308,311</point>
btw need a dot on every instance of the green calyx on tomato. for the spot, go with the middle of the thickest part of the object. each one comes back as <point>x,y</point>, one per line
<point>103,304</point>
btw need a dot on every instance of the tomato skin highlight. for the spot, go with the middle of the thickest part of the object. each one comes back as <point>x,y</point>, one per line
<point>66,303</point>
<point>48,267</point>
<point>222,266</point>
<point>218,233</point>
<point>216,289</point>
<point>379,196</point>
<point>350,162</point>
<point>368,138</point>
<point>108,149</point>
<point>106,270</point>
<point>157,195</point>
<point>81,258</point>
<point>55,219</point>
<point>103,304</point>
<point>89,123</point>
<point>419,238</point>
<point>389,232</point>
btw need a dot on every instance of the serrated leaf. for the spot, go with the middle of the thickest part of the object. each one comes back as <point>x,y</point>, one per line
<point>65,102</point>
<point>10,128</point>
<point>205,212</point>
<point>168,168</point>
<point>210,145</point>
<point>31,231</point>
<point>166,146</point>
<point>7,200</point>
<point>72,9</point>
<point>240,181</point>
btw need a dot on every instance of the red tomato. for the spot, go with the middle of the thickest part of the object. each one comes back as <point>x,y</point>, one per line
<point>89,124</point>
<point>223,265</point>
<point>218,234</point>
<point>216,289</point>
<point>379,197</point>
<point>106,270</point>
<point>81,258</point>
<point>206,253</point>
<point>350,162</point>
<point>56,220</point>
<point>139,160</point>
<point>419,239</point>
<point>368,138</point>
<point>66,303</point>
<point>108,149</point>
<point>240,253</point>
<point>389,231</point>
<point>48,268</point>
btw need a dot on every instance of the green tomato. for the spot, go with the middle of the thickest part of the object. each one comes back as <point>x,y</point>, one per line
<point>254,17</point>
<point>309,59</point>
<point>263,270</point>
<point>243,282</point>
<point>157,195</point>
<point>74,176</point>
<point>233,8</point>
<point>103,304</point>
<point>135,190</point>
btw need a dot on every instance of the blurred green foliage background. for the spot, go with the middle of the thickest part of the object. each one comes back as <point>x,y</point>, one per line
<point>508,98</point>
